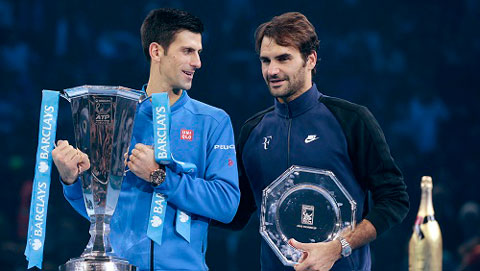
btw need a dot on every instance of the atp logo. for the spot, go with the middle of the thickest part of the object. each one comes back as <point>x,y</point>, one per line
<point>156,221</point>
<point>308,212</point>
<point>37,244</point>
<point>43,167</point>
<point>183,217</point>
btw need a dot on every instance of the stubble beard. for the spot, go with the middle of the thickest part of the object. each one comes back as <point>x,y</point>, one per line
<point>291,87</point>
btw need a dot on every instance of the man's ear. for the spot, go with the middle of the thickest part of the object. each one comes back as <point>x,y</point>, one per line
<point>156,51</point>
<point>312,60</point>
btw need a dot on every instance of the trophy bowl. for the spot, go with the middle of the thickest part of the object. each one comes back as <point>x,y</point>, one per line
<point>307,204</point>
<point>103,118</point>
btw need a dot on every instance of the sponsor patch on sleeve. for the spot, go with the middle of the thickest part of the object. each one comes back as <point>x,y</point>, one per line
<point>224,147</point>
<point>186,134</point>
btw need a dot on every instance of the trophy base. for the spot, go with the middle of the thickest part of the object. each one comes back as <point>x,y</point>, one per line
<point>97,264</point>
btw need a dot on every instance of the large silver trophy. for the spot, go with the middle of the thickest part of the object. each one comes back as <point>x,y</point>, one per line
<point>103,119</point>
<point>307,204</point>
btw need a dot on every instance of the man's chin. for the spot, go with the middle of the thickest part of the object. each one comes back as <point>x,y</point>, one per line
<point>185,86</point>
<point>278,92</point>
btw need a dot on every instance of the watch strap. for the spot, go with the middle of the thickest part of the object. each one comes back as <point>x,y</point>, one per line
<point>346,248</point>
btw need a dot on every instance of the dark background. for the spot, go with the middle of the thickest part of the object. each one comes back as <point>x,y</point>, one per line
<point>414,64</point>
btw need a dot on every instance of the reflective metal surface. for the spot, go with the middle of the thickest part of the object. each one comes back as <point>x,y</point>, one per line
<point>307,204</point>
<point>97,264</point>
<point>103,119</point>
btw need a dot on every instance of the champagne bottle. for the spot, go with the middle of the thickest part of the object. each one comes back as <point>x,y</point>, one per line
<point>425,247</point>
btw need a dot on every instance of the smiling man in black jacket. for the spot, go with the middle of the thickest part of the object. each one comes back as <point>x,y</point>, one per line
<point>307,128</point>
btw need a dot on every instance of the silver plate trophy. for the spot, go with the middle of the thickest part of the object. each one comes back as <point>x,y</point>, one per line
<point>103,119</point>
<point>307,204</point>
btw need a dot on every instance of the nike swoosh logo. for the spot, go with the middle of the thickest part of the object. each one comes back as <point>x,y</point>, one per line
<point>311,138</point>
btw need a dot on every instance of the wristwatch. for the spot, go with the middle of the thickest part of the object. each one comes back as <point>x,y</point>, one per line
<point>157,177</point>
<point>346,248</point>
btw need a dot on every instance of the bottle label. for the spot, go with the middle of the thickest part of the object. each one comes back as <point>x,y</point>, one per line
<point>424,219</point>
<point>416,228</point>
<point>419,220</point>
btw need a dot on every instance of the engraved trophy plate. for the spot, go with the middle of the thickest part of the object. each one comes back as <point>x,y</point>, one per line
<point>103,119</point>
<point>307,204</point>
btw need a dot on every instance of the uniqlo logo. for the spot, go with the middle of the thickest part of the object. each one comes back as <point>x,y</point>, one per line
<point>186,135</point>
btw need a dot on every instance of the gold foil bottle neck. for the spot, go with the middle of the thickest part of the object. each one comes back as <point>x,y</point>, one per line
<point>426,182</point>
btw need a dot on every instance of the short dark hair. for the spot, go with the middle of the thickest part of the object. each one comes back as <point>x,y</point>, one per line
<point>161,26</point>
<point>289,29</point>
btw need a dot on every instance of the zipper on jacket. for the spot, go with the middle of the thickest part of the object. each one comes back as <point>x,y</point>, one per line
<point>288,143</point>
<point>288,135</point>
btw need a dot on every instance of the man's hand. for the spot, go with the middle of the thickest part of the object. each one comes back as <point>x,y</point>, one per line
<point>322,256</point>
<point>70,162</point>
<point>142,161</point>
<point>317,256</point>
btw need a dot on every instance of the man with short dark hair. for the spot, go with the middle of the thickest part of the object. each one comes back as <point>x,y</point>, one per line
<point>308,128</point>
<point>200,134</point>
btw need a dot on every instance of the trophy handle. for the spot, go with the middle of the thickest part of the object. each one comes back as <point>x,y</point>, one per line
<point>63,95</point>
<point>143,98</point>
<point>98,180</point>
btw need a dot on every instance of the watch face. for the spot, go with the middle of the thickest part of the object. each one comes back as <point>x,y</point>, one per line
<point>346,248</point>
<point>346,251</point>
<point>158,176</point>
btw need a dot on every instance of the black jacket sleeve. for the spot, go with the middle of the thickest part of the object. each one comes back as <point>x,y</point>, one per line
<point>373,164</point>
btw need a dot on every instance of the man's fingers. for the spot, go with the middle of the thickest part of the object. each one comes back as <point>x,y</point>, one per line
<point>62,143</point>
<point>301,263</point>
<point>300,267</point>
<point>140,146</point>
<point>137,155</point>
<point>143,147</point>
<point>132,158</point>
<point>69,154</point>
<point>305,265</point>
<point>84,162</point>
<point>131,166</point>
<point>298,245</point>
<point>60,147</point>
<point>304,256</point>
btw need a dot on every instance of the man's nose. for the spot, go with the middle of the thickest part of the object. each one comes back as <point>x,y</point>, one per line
<point>196,62</point>
<point>273,70</point>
